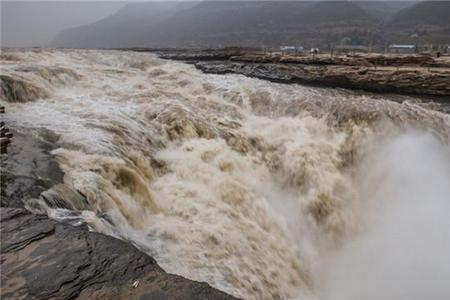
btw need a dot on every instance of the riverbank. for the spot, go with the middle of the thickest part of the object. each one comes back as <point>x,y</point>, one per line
<point>420,75</point>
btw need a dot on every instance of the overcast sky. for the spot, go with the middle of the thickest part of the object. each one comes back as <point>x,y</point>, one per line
<point>36,23</point>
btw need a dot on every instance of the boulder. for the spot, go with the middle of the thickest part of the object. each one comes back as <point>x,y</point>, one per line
<point>42,259</point>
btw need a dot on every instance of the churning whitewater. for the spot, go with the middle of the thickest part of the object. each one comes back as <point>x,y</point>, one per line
<point>263,190</point>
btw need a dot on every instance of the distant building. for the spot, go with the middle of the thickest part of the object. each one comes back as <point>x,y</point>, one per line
<point>292,49</point>
<point>402,48</point>
<point>314,51</point>
<point>352,48</point>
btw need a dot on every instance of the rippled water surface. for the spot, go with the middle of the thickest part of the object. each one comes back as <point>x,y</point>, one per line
<point>264,190</point>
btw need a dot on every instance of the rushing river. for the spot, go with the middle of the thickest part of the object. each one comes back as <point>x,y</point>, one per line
<point>263,190</point>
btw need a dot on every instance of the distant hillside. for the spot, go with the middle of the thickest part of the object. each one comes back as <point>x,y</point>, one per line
<point>121,29</point>
<point>422,23</point>
<point>36,23</point>
<point>252,23</point>
<point>259,23</point>
<point>426,12</point>
<point>384,10</point>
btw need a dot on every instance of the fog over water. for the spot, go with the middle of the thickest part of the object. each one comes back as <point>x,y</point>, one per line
<point>263,190</point>
<point>402,252</point>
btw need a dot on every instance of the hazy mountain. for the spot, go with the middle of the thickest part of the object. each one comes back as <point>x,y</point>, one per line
<point>427,22</point>
<point>426,12</point>
<point>221,23</point>
<point>253,23</point>
<point>36,23</point>
<point>123,28</point>
<point>384,10</point>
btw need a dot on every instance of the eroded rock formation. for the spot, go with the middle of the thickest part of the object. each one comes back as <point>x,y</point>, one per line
<point>401,74</point>
<point>43,259</point>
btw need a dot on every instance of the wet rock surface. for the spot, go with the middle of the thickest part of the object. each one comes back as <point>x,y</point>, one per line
<point>28,169</point>
<point>42,258</point>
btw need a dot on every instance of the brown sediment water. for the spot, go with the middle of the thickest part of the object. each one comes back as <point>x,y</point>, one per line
<point>263,190</point>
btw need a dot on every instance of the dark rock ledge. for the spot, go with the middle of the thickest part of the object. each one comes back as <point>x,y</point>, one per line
<point>42,259</point>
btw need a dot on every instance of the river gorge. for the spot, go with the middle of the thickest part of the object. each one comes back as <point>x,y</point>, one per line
<point>263,190</point>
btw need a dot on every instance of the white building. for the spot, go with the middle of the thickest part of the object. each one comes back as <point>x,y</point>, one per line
<point>292,49</point>
<point>402,48</point>
<point>314,51</point>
